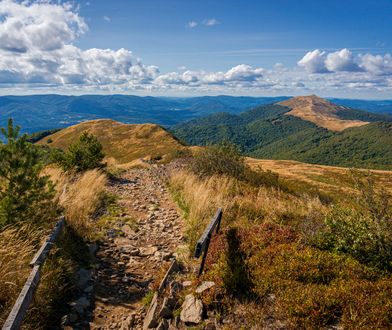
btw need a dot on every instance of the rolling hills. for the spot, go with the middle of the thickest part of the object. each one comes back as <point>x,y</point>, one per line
<point>271,131</point>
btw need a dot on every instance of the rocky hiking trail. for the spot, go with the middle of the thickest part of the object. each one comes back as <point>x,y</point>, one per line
<point>135,251</point>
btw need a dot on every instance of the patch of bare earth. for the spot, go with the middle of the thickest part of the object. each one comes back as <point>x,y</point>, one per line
<point>320,112</point>
<point>135,252</point>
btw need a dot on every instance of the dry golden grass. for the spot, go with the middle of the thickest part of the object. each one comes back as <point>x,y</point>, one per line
<point>122,143</point>
<point>329,179</point>
<point>241,203</point>
<point>17,246</point>
<point>80,195</point>
<point>320,112</point>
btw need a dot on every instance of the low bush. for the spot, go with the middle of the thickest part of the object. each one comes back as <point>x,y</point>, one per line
<point>359,235</point>
<point>225,159</point>
<point>364,233</point>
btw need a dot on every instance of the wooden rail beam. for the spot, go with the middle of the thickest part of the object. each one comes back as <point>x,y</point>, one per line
<point>41,254</point>
<point>15,318</point>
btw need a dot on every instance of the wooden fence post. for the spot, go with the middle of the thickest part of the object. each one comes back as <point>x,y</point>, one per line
<point>204,241</point>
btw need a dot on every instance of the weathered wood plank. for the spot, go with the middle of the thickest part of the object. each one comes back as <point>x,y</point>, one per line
<point>41,254</point>
<point>150,320</point>
<point>173,267</point>
<point>204,239</point>
<point>15,318</point>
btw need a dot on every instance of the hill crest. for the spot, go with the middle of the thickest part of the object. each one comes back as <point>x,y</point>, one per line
<point>319,111</point>
<point>122,143</point>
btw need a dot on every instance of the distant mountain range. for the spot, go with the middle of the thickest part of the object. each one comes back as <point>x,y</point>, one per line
<point>308,129</point>
<point>43,112</point>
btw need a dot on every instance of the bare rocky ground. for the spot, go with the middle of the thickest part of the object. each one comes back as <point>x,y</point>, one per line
<point>135,251</point>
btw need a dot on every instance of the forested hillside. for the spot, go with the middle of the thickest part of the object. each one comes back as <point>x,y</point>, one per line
<point>266,132</point>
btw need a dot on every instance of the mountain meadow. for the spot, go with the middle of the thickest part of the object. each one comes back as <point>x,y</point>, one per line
<point>301,246</point>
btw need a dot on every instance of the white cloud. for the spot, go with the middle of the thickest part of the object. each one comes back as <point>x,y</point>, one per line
<point>36,47</point>
<point>341,60</point>
<point>38,26</point>
<point>377,64</point>
<point>210,22</point>
<point>239,75</point>
<point>107,18</point>
<point>192,24</point>
<point>314,61</point>
<point>205,22</point>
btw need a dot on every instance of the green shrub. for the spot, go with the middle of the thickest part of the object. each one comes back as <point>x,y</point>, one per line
<point>366,232</point>
<point>85,154</point>
<point>358,234</point>
<point>225,159</point>
<point>25,195</point>
<point>220,159</point>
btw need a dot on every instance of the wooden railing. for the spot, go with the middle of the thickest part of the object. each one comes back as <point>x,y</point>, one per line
<point>18,312</point>
<point>204,241</point>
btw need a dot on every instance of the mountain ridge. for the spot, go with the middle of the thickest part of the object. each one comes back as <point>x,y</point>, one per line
<point>268,132</point>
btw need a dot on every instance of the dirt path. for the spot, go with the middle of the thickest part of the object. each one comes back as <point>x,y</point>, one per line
<point>134,252</point>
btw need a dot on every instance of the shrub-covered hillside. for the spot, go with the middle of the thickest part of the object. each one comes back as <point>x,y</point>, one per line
<point>287,259</point>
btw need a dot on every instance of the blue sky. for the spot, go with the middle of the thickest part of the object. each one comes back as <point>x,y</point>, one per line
<point>259,33</point>
<point>172,47</point>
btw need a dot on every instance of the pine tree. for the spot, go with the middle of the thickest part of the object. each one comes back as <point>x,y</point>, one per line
<point>84,154</point>
<point>25,195</point>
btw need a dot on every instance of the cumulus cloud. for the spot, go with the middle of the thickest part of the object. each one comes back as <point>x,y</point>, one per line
<point>239,75</point>
<point>36,47</point>
<point>377,64</point>
<point>314,61</point>
<point>38,26</point>
<point>343,60</point>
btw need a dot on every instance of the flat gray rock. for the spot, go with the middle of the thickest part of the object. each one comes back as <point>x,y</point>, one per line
<point>191,310</point>
<point>204,286</point>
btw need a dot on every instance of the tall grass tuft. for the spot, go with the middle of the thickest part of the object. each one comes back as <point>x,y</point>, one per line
<point>81,196</point>
<point>17,246</point>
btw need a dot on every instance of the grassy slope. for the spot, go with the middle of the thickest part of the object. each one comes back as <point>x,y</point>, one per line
<point>332,180</point>
<point>122,143</point>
